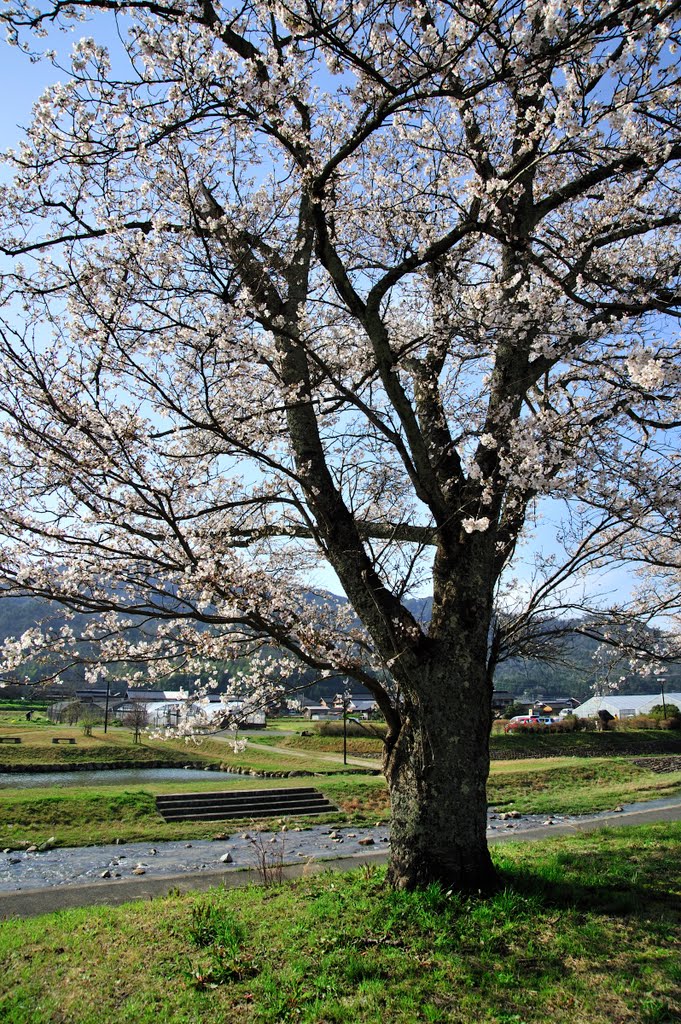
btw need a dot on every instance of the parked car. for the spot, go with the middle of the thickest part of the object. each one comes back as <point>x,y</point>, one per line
<point>528,722</point>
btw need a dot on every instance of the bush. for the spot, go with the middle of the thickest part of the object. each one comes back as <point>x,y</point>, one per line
<point>665,711</point>
<point>377,729</point>
<point>88,722</point>
<point>515,709</point>
<point>648,722</point>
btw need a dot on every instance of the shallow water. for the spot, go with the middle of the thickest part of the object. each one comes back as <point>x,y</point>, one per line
<point>115,777</point>
<point>78,865</point>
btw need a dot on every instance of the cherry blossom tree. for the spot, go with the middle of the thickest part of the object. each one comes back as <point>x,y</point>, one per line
<point>355,283</point>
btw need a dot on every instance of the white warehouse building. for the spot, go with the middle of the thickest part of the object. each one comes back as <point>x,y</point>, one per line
<point>626,706</point>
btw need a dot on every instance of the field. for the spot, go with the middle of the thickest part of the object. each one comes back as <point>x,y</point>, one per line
<point>117,745</point>
<point>586,931</point>
<point>573,744</point>
<point>84,815</point>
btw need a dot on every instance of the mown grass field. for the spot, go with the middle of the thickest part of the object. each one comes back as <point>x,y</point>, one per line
<point>89,815</point>
<point>37,748</point>
<point>358,746</point>
<point>585,931</point>
<point>574,744</point>
<point>117,744</point>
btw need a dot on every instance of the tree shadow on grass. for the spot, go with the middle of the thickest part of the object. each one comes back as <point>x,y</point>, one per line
<point>587,881</point>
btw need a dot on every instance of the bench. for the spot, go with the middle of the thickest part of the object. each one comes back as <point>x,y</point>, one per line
<point>63,739</point>
<point>10,739</point>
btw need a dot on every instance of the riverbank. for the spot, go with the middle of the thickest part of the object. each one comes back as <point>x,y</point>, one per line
<point>103,812</point>
<point>584,929</point>
<point>257,851</point>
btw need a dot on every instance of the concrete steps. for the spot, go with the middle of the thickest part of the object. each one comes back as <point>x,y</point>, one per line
<point>243,803</point>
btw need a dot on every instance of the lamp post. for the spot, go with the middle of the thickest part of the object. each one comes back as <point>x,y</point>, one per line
<point>345,704</point>
<point>345,731</point>
<point>106,705</point>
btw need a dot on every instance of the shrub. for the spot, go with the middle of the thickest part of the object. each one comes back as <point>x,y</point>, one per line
<point>665,711</point>
<point>515,709</point>
<point>377,729</point>
<point>586,725</point>
<point>637,722</point>
<point>87,722</point>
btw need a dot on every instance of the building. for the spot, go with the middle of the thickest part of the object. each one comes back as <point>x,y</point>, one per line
<point>321,712</point>
<point>552,705</point>
<point>626,705</point>
<point>355,704</point>
<point>167,708</point>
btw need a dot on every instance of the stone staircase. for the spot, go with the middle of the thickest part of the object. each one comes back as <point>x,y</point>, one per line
<point>243,803</point>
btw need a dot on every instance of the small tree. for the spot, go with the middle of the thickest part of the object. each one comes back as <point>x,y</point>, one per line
<point>88,720</point>
<point>136,719</point>
<point>664,711</point>
<point>72,712</point>
<point>514,710</point>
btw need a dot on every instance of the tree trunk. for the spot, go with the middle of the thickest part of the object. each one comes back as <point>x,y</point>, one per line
<point>437,776</point>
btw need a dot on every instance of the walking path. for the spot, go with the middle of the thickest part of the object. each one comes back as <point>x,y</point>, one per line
<point>360,762</point>
<point>40,883</point>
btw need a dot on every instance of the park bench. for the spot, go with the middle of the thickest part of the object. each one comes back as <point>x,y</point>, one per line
<point>10,739</point>
<point>63,739</point>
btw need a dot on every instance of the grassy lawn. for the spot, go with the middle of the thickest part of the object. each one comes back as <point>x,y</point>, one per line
<point>586,931</point>
<point>117,744</point>
<point>576,785</point>
<point>259,758</point>
<point>576,744</point>
<point>88,815</point>
<point>359,746</point>
<point>98,814</point>
<point>36,746</point>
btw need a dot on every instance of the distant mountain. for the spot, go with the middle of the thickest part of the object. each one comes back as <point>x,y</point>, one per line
<point>574,676</point>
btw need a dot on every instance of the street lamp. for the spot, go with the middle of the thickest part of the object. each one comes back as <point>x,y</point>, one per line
<point>345,702</point>
<point>106,705</point>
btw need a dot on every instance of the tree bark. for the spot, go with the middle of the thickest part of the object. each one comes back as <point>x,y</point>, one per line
<point>437,776</point>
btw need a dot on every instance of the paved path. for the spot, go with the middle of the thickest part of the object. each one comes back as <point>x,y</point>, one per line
<point>373,764</point>
<point>196,866</point>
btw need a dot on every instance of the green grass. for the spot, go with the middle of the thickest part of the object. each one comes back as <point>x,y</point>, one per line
<point>576,785</point>
<point>576,744</point>
<point>36,748</point>
<point>359,746</point>
<point>260,758</point>
<point>585,931</point>
<point>87,815</point>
